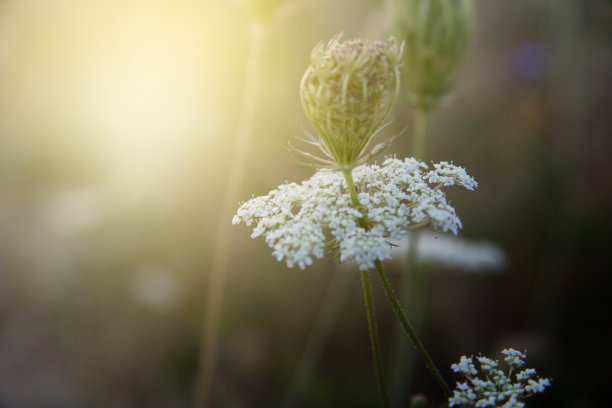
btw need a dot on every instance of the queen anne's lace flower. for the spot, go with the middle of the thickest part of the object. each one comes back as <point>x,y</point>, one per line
<point>496,388</point>
<point>395,196</point>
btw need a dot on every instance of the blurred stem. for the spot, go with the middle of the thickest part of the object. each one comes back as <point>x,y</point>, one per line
<point>414,298</point>
<point>367,294</point>
<point>318,337</point>
<point>419,147</point>
<point>410,331</point>
<point>394,302</point>
<point>221,253</point>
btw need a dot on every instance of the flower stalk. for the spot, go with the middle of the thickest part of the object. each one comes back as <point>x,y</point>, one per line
<point>223,241</point>
<point>412,268</point>
<point>421,122</point>
<point>395,303</point>
<point>367,295</point>
<point>410,331</point>
<point>374,340</point>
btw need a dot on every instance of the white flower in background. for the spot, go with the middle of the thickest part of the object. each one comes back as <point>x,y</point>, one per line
<point>76,210</point>
<point>495,388</point>
<point>395,196</point>
<point>156,287</point>
<point>455,252</point>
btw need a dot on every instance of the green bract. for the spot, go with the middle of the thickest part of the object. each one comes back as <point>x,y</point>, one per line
<point>346,92</point>
<point>436,34</point>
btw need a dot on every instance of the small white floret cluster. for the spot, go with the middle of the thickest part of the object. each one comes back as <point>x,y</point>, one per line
<point>395,196</point>
<point>496,388</point>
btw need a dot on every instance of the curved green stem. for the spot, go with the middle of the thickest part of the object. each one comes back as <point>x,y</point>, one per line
<point>410,331</point>
<point>391,295</point>
<point>419,147</point>
<point>367,295</point>
<point>412,295</point>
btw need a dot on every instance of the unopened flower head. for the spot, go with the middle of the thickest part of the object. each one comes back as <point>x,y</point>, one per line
<point>494,387</point>
<point>298,219</point>
<point>346,92</point>
<point>436,34</point>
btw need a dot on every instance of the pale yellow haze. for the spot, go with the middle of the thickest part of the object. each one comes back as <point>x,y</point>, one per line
<point>136,87</point>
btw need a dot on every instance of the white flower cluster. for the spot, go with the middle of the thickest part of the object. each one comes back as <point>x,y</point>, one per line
<point>395,196</point>
<point>496,389</point>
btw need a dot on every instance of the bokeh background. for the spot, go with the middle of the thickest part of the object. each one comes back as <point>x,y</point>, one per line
<point>116,126</point>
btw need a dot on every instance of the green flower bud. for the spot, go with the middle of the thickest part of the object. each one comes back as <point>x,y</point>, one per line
<point>436,34</point>
<point>346,92</point>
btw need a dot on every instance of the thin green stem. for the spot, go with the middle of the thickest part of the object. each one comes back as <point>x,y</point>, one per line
<point>410,331</point>
<point>367,295</point>
<point>411,294</point>
<point>223,240</point>
<point>413,297</point>
<point>391,295</point>
<point>419,147</point>
<point>318,336</point>
<point>348,176</point>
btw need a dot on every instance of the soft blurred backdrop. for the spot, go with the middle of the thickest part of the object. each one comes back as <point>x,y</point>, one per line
<point>116,128</point>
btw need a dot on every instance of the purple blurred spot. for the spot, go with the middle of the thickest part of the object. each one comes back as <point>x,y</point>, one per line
<point>530,60</point>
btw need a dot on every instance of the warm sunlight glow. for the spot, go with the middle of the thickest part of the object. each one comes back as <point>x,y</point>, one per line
<point>144,115</point>
<point>138,85</point>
